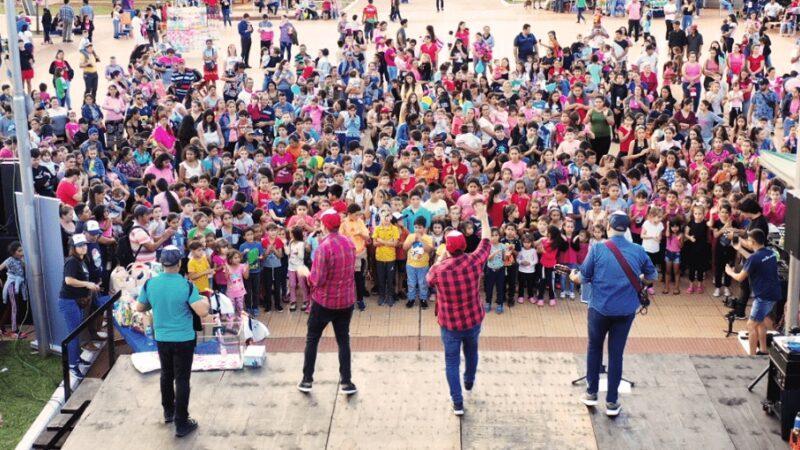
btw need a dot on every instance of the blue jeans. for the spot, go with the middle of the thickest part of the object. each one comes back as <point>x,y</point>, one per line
<point>73,316</point>
<point>495,280</point>
<point>452,341</point>
<point>226,17</point>
<point>617,328</point>
<point>416,277</point>
<point>286,47</point>
<point>686,22</point>
<point>566,284</point>
<point>115,23</point>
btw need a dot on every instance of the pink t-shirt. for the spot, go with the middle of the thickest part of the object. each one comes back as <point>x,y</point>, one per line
<point>517,169</point>
<point>165,138</point>
<point>235,282</point>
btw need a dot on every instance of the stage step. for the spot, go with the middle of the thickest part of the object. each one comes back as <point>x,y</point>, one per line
<point>61,425</point>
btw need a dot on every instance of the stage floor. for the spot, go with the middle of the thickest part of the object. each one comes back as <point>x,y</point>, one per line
<point>521,400</point>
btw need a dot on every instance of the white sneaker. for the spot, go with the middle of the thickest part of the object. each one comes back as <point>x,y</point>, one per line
<point>716,292</point>
<point>563,294</point>
<point>572,295</point>
<point>726,291</point>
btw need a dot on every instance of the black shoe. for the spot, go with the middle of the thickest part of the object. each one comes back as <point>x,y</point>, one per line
<point>169,416</point>
<point>468,385</point>
<point>361,305</point>
<point>410,304</point>
<point>458,409</point>
<point>760,353</point>
<point>401,295</point>
<point>304,387</point>
<point>348,388</point>
<point>188,427</point>
<point>278,307</point>
<point>423,304</point>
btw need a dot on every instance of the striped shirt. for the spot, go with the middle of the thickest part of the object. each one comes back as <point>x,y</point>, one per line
<point>332,273</point>
<point>457,284</point>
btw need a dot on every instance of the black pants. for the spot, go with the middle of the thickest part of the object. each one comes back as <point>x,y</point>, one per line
<point>272,287</point>
<point>722,257</point>
<point>176,368</point>
<point>361,285</point>
<point>634,29</point>
<point>90,80</point>
<point>527,284</point>
<point>369,30</point>
<point>318,319</point>
<point>511,283</point>
<point>246,43</point>
<point>546,283</point>
<point>668,24</point>
<point>440,5</point>
<point>744,296</point>
<point>253,287</point>
<point>600,145</point>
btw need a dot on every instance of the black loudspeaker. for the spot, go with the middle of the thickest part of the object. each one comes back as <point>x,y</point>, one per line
<point>9,184</point>
<point>791,241</point>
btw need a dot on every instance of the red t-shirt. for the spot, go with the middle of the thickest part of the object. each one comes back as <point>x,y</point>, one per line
<point>205,196</point>
<point>65,192</point>
<point>400,186</point>
<point>370,13</point>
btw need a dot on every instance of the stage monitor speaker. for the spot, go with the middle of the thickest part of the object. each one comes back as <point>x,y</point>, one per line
<point>9,184</point>
<point>791,240</point>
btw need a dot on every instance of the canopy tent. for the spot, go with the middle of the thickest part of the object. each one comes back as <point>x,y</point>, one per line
<point>782,165</point>
<point>786,167</point>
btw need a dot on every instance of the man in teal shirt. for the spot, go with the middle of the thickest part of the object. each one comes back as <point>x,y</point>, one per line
<point>172,299</point>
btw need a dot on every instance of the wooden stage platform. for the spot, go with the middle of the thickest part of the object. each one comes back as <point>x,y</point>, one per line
<point>520,400</point>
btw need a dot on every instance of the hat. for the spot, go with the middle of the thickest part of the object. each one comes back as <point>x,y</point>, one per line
<point>170,256</point>
<point>140,211</point>
<point>331,221</point>
<point>619,221</point>
<point>455,242</point>
<point>94,130</point>
<point>78,240</point>
<point>92,227</point>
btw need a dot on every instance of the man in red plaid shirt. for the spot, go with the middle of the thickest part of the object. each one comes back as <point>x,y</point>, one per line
<point>333,294</point>
<point>456,278</point>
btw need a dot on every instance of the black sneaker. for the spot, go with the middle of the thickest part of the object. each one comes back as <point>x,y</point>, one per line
<point>410,304</point>
<point>468,385</point>
<point>423,304</point>
<point>169,416</point>
<point>304,387</point>
<point>348,388</point>
<point>278,307</point>
<point>361,305</point>
<point>186,428</point>
<point>458,409</point>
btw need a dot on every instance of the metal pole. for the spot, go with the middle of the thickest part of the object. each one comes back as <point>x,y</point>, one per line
<point>26,211</point>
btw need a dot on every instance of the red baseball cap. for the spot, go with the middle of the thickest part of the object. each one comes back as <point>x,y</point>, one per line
<point>331,221</point>
<point>455,242</point>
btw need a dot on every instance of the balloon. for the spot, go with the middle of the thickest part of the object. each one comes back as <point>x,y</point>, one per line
<point>315,162</point>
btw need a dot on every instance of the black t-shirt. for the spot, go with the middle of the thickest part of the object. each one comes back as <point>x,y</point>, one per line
<point>74,268</point>
<point>760,223</point>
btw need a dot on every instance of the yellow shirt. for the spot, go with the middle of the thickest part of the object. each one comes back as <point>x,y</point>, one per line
<point>197,266</point>
<point>355,230</point>
<point>417,256</point>
<point>385,253</point>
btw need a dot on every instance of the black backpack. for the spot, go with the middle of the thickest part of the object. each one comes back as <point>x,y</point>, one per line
<point>125,254</point>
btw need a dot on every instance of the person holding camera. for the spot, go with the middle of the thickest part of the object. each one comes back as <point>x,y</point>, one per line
<point>749,209</point>
<point>173,300</point>
<point>761,270</point>
<point>615,268</point>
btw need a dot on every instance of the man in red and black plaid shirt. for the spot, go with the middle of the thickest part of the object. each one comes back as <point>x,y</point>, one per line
<point>456,278</point>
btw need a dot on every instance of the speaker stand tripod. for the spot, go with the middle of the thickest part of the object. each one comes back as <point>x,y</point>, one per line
<point>602,371</point>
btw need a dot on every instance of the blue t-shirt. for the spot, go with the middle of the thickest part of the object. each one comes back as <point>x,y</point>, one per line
<point>579,206</point>
<point>762,271</point>
<point>168,295</point>
<point>251,252</point>
<point>280,209</point>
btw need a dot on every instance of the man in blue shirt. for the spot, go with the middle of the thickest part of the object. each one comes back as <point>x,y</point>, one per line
<point>612,307</point>
<point>525,44</point>
<point>172,299</point>
<point>245,33</point>
<point>761,269</point>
